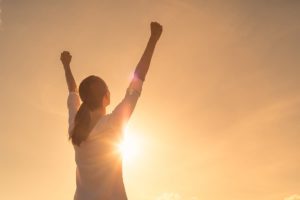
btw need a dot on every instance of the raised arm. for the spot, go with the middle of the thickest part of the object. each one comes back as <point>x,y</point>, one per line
<point>121,114</point>
<point>65,58</point>
<point>144,63</point>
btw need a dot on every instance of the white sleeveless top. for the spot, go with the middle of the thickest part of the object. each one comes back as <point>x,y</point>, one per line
<point>99,165</point>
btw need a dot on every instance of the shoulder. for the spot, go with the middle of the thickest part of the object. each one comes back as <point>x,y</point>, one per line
<point>103,125</point>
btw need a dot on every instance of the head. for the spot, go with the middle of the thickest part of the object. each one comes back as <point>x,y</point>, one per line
<point>94,95</point>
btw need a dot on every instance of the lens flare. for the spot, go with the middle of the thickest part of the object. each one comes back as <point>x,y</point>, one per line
<point>129,147</point>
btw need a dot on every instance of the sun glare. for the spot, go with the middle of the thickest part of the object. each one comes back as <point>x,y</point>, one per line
<point>129,147</point>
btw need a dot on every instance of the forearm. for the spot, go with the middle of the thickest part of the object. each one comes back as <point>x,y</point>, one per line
<point>70,79</point>
<point>144,63</point>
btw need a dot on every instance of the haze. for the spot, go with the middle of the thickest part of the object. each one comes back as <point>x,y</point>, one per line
<point>220,109</point>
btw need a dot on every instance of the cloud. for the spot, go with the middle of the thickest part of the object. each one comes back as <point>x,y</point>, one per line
<point>169,196</point>
<point>293,197</point>
<point>174,196</point>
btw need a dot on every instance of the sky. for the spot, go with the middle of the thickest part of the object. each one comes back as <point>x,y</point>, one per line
<point>218,117</point>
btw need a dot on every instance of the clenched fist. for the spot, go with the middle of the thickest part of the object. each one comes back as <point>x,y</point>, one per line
<point>65,58</point>
<point>156,30</point>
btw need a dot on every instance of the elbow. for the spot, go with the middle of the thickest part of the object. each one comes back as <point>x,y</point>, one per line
<point>140,75</point>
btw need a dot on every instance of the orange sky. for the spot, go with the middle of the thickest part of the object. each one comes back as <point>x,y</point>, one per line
<point>218,117</point>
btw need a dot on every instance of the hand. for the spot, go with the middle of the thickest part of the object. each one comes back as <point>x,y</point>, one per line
<point>65,58</point>
<point>156,30</point>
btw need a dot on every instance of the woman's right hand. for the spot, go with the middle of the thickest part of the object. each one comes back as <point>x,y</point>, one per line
<point>66,58</point>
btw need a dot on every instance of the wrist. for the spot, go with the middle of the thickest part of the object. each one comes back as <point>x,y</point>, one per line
<point>66,66</point>
<point>153,39</point>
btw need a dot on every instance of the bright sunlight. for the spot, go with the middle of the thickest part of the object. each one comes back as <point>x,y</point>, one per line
<point>129,147</point>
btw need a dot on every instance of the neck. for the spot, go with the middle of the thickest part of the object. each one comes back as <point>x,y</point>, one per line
<point>98,112</point>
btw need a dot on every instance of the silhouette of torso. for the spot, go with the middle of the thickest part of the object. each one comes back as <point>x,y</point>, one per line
<point>99,163</point>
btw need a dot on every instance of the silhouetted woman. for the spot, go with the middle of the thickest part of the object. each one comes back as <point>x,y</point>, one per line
<point>95,134</point>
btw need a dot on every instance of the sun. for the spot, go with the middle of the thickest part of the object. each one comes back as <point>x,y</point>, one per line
<point>129,147</point>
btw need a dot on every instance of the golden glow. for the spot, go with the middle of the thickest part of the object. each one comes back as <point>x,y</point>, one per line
<point>221,98</point>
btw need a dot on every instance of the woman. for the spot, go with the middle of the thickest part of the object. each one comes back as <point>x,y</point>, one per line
<point>96,134</point>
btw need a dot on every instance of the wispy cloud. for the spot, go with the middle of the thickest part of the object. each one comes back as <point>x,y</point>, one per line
<point>174,196</point>
<point>293,197</point>
<point>169,196</point>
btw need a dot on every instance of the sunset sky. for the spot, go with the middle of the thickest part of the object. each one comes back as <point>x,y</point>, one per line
<point>219,115</point>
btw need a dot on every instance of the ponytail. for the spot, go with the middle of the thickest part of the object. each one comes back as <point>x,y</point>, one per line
<point>91,90</point>
<point>81,128</point>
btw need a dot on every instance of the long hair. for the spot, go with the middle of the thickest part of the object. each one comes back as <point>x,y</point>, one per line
<point>91,91</point>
